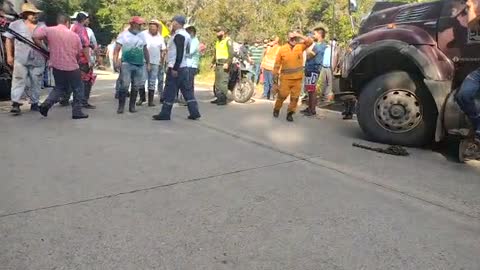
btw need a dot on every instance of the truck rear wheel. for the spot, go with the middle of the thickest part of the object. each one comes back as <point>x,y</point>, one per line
<point>396,108</point>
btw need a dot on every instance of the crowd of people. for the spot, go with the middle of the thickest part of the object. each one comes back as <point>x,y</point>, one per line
<point>148,61</point>
<point>71,48</point>
<point>301,69</point>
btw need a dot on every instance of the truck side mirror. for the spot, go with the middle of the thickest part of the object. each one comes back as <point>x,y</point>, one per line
<point>352,6</point>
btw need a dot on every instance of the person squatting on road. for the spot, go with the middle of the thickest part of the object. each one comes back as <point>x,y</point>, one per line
<point>289,68</point>
<point>134,56</point>
<point>177,72</point>
<point>313,67</point>
<point>467,98</point>
<point>28,64</point>
<point>156,50</point>
<point>65,47</point>
<point>222,62</point>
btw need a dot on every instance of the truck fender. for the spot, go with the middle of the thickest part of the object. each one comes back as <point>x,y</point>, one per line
<point>429,66</point>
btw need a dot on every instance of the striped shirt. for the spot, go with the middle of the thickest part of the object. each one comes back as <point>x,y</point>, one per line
<point>64,45</point>
<point>257,54</point>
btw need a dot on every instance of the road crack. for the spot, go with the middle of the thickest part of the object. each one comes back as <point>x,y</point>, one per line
<point>188,181</point>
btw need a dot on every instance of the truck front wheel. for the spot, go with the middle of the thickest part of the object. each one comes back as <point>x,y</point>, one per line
<point>396,108</point>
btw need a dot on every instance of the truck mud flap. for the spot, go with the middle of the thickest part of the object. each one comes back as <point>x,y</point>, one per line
<point>439,91</point>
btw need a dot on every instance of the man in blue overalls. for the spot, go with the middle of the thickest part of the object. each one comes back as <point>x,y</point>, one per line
<point>177,72</point>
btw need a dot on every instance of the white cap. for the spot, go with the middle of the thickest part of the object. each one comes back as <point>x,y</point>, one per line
<point>74,16</point>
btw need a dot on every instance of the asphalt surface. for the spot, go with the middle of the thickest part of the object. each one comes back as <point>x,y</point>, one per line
<point>235,190</point>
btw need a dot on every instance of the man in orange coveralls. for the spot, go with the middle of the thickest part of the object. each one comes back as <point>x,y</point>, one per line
<point>289,68</point>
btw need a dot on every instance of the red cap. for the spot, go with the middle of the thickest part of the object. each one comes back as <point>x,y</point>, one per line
<point>137,20</point>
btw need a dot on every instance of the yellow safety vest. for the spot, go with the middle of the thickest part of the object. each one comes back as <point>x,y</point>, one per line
<point>221,49</point>
<point>270,57</point>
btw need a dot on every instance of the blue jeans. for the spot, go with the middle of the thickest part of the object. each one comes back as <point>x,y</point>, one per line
<point>172,85</point>
<point>161,80</point>
<point>467,96</point>
<point>46,81</point>
<point>152,77</point>
<point>257,72</point>
<point>131,74</point>
<point>267,82</point>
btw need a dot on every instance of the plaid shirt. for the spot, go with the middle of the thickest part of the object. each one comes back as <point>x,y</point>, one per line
<point>64,46</point>
<point>81,31</point>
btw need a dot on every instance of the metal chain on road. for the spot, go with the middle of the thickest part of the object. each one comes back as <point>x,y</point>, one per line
<point>395,150</point>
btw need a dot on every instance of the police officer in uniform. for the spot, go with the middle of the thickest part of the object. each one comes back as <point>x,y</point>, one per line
<point>222,63</point>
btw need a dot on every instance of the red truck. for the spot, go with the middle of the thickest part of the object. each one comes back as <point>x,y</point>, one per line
<point>405,66</point>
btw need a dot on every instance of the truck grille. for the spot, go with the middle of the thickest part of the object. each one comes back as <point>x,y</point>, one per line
<point>413,14</point>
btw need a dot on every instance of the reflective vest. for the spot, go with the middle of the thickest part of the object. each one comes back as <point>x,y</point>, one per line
<point>172,49</point>
<point>270,56</point>
<point>221,49</point>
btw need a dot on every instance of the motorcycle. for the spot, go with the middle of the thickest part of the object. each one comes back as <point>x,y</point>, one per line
<point>240,85</point>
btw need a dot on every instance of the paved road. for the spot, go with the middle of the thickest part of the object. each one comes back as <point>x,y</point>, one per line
<point>236,190</point>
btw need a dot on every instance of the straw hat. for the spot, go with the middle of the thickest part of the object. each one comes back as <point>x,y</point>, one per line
<point>154,21</point>
<point>27,7</point>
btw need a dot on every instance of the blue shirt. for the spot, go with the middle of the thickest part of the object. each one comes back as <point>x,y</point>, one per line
<point>327,58</point>
<point>315,64</point>
<point>193,57</point>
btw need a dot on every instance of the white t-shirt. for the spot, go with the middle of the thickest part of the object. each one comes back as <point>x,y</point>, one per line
<point>155,46</point>
<point>132,47</point>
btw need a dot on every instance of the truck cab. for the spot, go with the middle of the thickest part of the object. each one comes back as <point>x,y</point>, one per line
<point>404,68</point>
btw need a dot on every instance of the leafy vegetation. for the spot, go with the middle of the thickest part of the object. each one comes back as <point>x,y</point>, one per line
<point>246,19</point>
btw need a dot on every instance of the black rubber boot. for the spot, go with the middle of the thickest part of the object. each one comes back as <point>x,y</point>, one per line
<point>43,109</point>
<point>80,115</point>
<point>349,109</point>
<point>142,99</point>
<point>151,96</point>
<point>64,103</point>
<point>34,107</point>
<point>276,113</point>
<point>122,97</point>
<point>131,103</point>
<point>222,100</point>
<point>161,117</point>
<point>16,108</point>
<point>290,116</point>
<point>88,90</point>
<point>215,101</point>
<point>77,112</point>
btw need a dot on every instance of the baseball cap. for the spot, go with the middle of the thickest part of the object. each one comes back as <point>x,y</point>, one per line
<point>180,19</point>
<point>137,20</point>
<point>75,15</point>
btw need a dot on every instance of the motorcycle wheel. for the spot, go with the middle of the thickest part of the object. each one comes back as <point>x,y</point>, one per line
<point>243,91</point>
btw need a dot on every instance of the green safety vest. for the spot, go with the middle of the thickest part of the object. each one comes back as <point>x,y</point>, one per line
<point>221,49</point>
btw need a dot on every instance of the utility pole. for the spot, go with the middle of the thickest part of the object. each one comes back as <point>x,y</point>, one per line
<point>334,34</point>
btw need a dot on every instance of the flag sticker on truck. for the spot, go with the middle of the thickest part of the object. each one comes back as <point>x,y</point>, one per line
<point>473,36</point>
